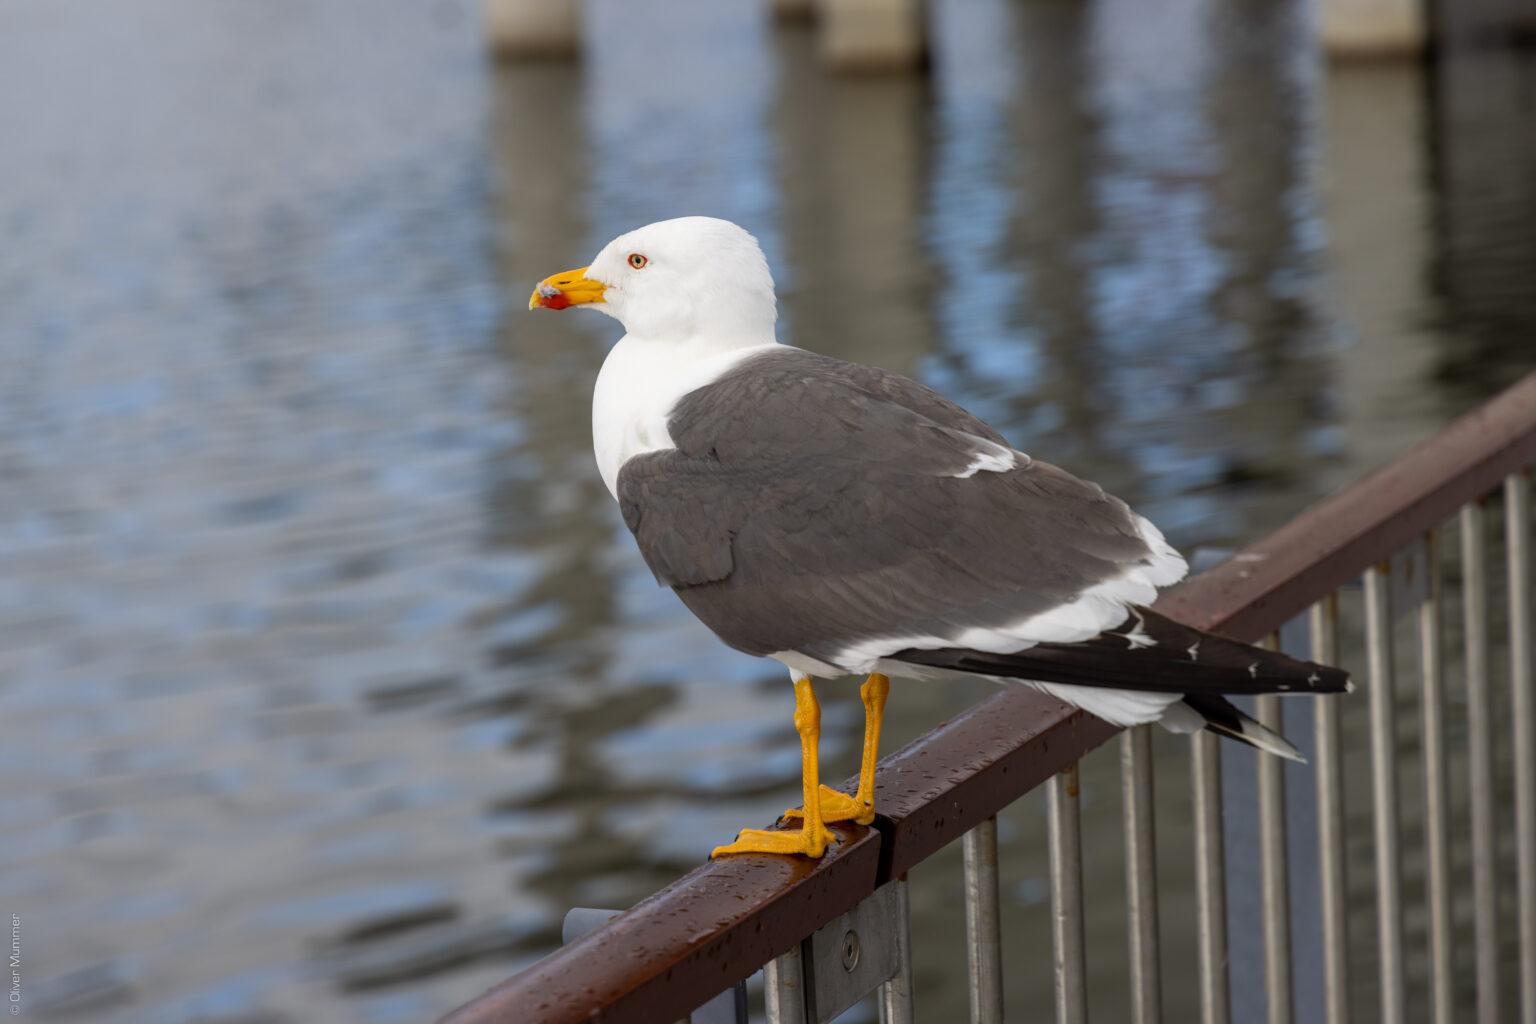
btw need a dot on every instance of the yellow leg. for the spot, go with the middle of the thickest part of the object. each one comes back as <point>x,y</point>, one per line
<point>813,836</point>
<point>860,807</point>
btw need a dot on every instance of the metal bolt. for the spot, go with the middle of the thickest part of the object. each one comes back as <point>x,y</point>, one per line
<point>850,951</point>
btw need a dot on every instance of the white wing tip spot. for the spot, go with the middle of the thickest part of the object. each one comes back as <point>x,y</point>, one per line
<point>993,458</point>
<point>1314,679</point>
<point>1194,651</point>
<point>1253,670</point>
<point>1137,637</point>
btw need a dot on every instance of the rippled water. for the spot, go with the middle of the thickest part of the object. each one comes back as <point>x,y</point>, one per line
<point>330,676</point>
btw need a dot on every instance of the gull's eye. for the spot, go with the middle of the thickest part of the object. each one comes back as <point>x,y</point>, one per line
<point>637,261</point>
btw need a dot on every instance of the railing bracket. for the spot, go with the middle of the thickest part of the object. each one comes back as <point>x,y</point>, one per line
<point>847,959</point>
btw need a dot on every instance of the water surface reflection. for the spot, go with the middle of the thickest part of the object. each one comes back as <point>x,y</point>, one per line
<point>333,677</point>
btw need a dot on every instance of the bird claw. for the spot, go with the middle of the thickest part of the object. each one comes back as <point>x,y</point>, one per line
<point>838,806</point>
<point>756,840</point>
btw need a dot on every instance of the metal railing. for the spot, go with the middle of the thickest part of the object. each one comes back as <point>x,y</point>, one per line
<point>834,930</point>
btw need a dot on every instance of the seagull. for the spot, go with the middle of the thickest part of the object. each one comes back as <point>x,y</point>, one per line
<point>845,520</point>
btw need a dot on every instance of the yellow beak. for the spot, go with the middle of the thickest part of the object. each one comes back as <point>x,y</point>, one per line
<point>571,288</point>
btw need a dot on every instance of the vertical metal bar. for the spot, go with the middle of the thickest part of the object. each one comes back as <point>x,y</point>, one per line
<point>1517,517</point>
<point>1389,906</point>
<point>895,997</point>
<point>983,931</point>
<point>1066,843</point>
<point>1437,833</point>
<point>784,988</point>
<point>1328,770</point>
<point>1485,854</point>
<point>1141,874</point>
<point>1210,879</point>
<point>1275,890</point>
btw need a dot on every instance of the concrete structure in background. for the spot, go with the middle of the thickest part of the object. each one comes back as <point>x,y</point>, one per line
<point>852,181</point>
<point>1372,28</point>
<point>532,28</point>
<point>873,35</point>
<point>1373,173</point>
<point>892,35</point>
<point>793,10</point>
<point>856,35</point>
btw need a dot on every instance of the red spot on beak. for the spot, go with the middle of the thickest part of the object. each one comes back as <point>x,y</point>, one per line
<point>562,291</point>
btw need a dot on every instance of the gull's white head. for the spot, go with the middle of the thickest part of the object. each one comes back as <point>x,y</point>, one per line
<point>675,279</point>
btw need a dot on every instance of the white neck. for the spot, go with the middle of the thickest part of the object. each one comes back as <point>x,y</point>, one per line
<point>640,382</point>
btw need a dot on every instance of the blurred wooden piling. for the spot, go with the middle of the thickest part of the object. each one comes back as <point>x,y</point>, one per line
<point>874,35</point>
<point>793,10</point>
<point>1350,29</point>
<point>856,36</point>
<point>532,29</point>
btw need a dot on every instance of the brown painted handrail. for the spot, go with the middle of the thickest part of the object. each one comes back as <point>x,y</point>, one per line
<point>662,958</point>
<point>725,919</point>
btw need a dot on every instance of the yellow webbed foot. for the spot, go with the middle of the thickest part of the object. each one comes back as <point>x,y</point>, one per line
<point>838,806</point>
<point>756,840</point>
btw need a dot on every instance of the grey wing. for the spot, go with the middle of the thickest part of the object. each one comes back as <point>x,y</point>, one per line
<point>821,513</point>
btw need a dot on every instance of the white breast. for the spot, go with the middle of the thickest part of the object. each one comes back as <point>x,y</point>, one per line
<point>640,382</point>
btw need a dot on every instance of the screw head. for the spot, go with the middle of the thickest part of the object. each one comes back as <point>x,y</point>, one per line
<point>850,951</point>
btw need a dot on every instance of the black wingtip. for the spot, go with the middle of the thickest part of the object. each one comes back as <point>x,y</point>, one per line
<point>1226,719</point>
<point>1150,652</point>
